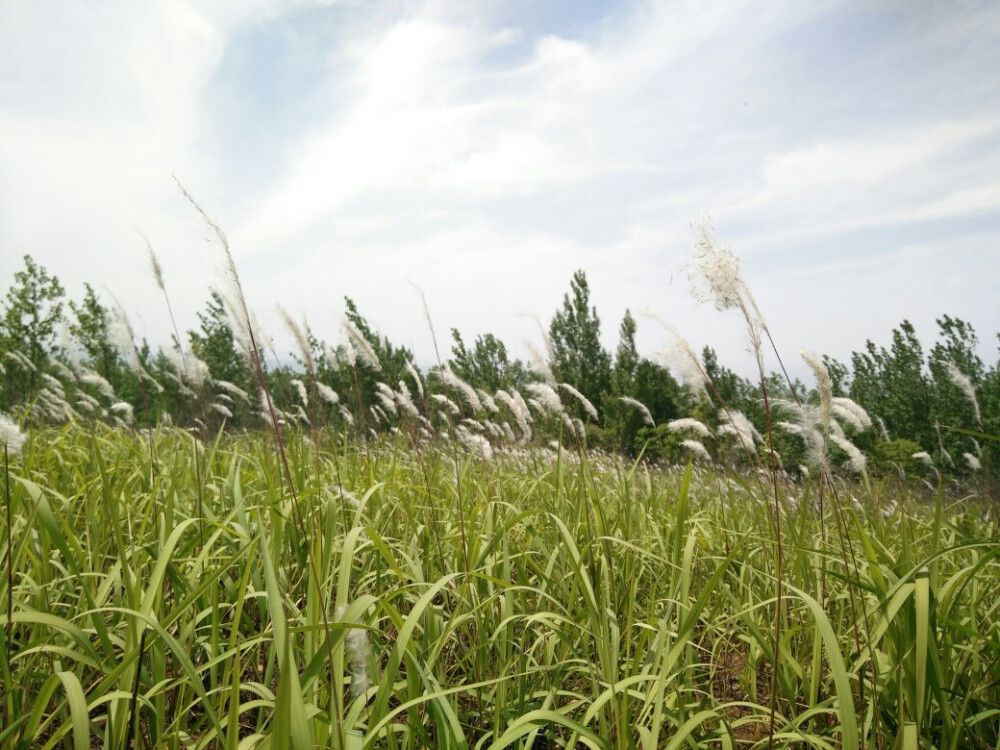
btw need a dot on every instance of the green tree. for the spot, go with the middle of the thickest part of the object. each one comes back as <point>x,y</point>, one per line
<point>31,311</point>
<point>578,357</point>
<point>487,365</point>
<point>893,384</point>
<point>951,405</point>
<point>840,376</point>
<point>623,422</point>
<point>735,391</point>
<point>990,404</point>
<point>90,329</point>
<point>215,344</point>
<point>392,360</point>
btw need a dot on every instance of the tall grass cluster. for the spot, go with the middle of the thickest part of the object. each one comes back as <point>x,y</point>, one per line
<point>457,581</point>
<point>533,601</point>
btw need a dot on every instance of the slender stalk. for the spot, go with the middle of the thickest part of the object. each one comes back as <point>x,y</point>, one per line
<point>10,549</point>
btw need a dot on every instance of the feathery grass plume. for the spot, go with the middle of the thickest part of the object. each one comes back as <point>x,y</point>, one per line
<point>973,462</point>
<point>86,398</point>
<point>688,423</point>
<point>191,369</point>
<point>584,401</point>
<point>473,424</point>
<point>535,404</point>
<point>378,413</point>
<point>450,405</point>
<point>570,424</point>
<point>964,383</point>
<point>717,267</point>
<point>63,371</point>
<point>236,321</point>
<point>18,358</point>
<point>808,425</point>
<point>430,327</point>
<point>351,499</point>
<point>519,410</point>
<point>89,377</point>
<point>852,413</point>
<point>357,645</point>
<point>643,409</point>
<point>825,387</point>
<point>327,393</point>
<point>346,415</point>
<point>331,357</point>
<point>538,365</point>
<point>55,384</point>
<point>222,409</point>
<point>233,274</point>
<point>3,370</point>
<point>476,442</point>
<point>468,393</point>
<point>539,362</point>
<point>11,436</point>
<point>301,339</point>
<point>736,423</point>
<point>233,389</point>
<point>697,449</point>
<point>122,337</point>
<point>405,400</point>
<point>125,409</point>
<point>387,396</point>
<point>350,356</point>
<point>154,263</point>
<point>507,400</point>
<point>546,396</point>
<point>181,387</point>
<point>925,458</point>
<point>790,428</point>
<point>300,387</point>
<point>55,405</point>
<point>519,400</point>
<point>487,401</point>
<point>856,458</point>
<point>360,347</point>
<point>883,432</point>
<point>680,357</point>
<point>265,406</point>
<point>416,378</point>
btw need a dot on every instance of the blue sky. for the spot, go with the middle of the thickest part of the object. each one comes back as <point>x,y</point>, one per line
<point>848,151</point>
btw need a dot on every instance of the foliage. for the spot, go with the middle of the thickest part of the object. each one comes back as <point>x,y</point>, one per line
<point>577,355</point>
<point>91,329</point>
<point>215,344</point>
<point>532,600</point>
<point>893,384</point>
<point>898,455</point>
<point>486,365</point>
<point>32,310</point>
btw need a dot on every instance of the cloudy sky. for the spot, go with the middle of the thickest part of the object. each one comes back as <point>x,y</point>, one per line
<point>848,151</point>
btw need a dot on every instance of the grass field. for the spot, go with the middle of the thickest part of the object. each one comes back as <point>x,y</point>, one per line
<point>162,591</point>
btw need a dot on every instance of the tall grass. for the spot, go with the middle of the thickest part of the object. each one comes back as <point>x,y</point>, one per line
<point>532,601</point>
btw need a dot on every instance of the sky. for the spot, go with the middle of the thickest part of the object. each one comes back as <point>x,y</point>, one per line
<point>849,153</point>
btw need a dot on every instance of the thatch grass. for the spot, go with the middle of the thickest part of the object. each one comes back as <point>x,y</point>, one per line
<point>527,601</point>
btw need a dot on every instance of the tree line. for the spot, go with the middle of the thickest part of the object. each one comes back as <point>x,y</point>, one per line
<point>79,359</point>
